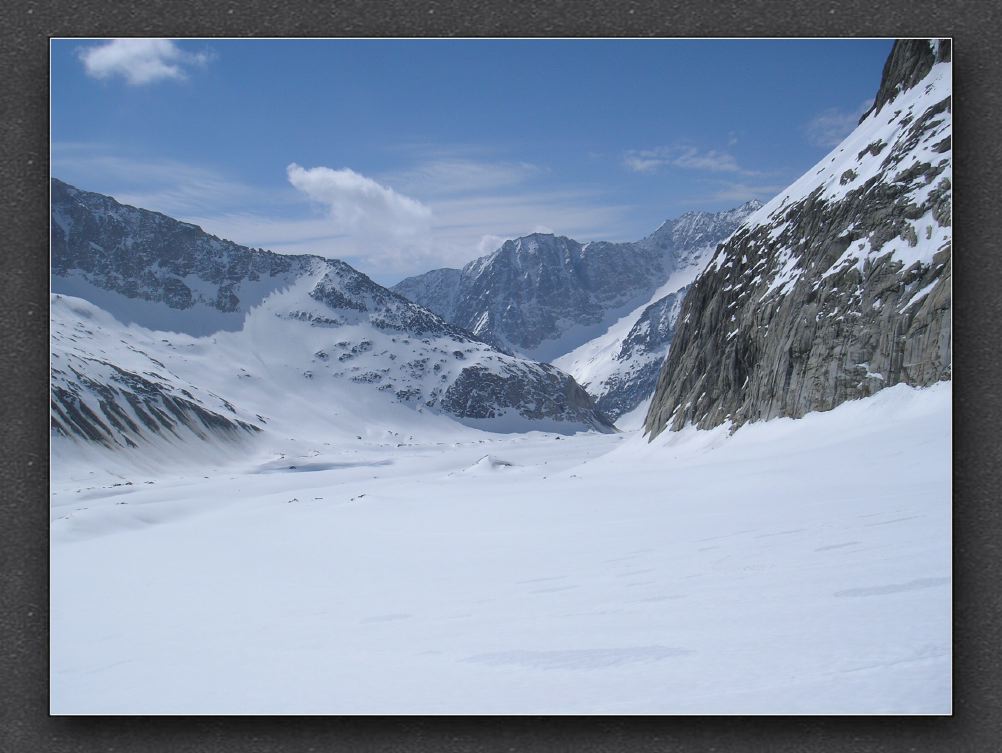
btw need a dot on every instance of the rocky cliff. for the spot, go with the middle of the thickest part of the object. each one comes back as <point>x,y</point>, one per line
<point>838,287</point>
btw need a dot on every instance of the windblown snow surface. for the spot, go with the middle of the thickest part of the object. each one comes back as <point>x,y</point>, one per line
<point>795,566</point>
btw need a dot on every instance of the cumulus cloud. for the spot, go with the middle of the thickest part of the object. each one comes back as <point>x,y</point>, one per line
<point>828,128</point>
<point>139,61</point>
<point>682,156</point>
<point>360,207</point>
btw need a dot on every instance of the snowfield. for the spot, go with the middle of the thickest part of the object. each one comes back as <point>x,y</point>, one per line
<point>432,568</point>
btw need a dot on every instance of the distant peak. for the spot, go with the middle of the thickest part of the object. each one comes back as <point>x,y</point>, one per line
<point>694,214</point>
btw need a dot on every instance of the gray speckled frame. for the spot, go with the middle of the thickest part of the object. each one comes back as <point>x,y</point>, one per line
<point>26,28</point>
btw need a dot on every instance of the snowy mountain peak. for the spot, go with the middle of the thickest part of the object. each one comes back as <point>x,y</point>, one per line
<point>696,230</point>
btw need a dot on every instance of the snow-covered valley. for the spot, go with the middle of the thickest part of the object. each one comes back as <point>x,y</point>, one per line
<point>794,566</point>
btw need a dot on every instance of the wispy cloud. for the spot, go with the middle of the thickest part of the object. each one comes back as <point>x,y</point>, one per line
<point>164,185</point>
<point>685,157</point>
<point>739,192</point>
<point>829,127</point>
<point>452,175</point>
<point>140,61</point>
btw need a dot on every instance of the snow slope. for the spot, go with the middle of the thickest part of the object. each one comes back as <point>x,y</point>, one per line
<point>604,363</point>
<point>796,566</point>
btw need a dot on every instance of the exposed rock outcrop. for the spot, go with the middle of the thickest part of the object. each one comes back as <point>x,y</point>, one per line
<point>838,287</point>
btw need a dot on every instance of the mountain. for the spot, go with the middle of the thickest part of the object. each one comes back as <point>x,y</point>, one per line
<point>108,387</point>
<point>576,304</point>
<point>619,368</point>
<point>542,294</point>
<point>841,285</point>
<point>184,334</point>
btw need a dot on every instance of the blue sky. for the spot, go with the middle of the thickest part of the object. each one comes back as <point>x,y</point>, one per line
<point>404,155</point>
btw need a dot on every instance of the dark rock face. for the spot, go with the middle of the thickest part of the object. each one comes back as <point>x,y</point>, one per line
<point>436,290</point>
<point>345,288</point>
<point>532,288</point>
<point>155,409</point>
<point>909,62</point>
<point>482,393</point>
<point>839,287</point>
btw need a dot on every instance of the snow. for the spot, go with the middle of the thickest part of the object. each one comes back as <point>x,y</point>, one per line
<point>634,419</point>
<point>274,375</point>
<point>594,362</point>
<point>796,566</point>
<point>921,294</point>
<point>575,337</point>
<point>199,319</point>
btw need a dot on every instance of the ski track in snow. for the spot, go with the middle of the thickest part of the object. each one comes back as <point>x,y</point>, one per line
<point>793,567</point>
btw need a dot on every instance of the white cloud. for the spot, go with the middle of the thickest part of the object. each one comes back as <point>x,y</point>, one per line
<point>683,156</point>
<point>641,164</point>
<point>139,61</point>
<point>388,233</point>
<point>362,208</point>
<point>828,128</point>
